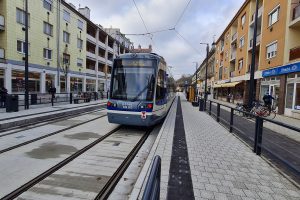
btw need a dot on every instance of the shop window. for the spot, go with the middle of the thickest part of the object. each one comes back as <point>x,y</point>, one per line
<point>289,96</point>
<point>297,99</point>
<point>62,84</point>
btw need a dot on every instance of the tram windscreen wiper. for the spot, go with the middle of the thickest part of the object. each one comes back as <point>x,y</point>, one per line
<point>149,86</point>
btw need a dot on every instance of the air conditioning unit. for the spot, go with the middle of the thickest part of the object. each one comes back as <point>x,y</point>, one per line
<point>1,53</point>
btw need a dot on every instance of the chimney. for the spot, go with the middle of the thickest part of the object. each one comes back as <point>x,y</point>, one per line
<point>85,11</point>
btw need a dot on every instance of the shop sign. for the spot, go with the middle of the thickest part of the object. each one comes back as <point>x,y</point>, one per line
<point>291,68</point>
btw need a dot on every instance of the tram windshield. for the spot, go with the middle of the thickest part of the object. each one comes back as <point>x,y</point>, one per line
<point>133,80</point>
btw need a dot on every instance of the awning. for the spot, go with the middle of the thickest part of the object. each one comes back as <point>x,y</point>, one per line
<point>226,85</point>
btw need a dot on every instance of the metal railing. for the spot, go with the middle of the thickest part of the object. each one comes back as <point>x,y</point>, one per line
<point>250,128</point>
<point>234,37</point>
<point>296,12</point>
<point>152,189</point>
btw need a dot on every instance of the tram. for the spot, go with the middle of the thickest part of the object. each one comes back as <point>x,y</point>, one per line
<point>141,90</point>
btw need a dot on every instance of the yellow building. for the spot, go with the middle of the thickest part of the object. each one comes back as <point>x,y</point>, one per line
<point>277,56</point>
<point>58,43</point>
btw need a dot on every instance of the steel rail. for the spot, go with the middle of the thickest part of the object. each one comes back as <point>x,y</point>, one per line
<point>16,117</point>
<point>47,135</point>
<point>31,183</point>
<point>113,181</point>
<point>46,122</point>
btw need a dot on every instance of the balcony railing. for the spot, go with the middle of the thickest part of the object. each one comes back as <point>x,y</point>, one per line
<point>231,74</point>
<point>2,55</point>
<point>233,56</point>
<point>234,37</point>
<point>258,37</point>
<point>222,48</point>
<point>260,10</point>
<point>2,22</point>
<point>295,53</point>
<point>296,12</point>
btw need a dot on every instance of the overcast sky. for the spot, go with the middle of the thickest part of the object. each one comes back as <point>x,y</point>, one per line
<point>201,21</point>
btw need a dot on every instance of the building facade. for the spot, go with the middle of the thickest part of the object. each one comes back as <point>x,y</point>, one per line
<point>277,58</point>
<point>66,50</point>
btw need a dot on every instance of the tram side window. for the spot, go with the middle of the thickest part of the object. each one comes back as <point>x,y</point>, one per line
<point>160,87</point>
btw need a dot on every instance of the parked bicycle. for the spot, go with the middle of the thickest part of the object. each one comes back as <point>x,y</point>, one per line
<point>258,109</point>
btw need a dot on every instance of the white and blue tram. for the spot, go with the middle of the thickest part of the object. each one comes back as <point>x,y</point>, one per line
<point>141,91</point>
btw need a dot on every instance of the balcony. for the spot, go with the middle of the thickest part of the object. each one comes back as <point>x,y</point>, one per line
<point>295,53</point>
<point>258,38</point>
<point>231,74</point>
<point>234,37</point>
<point>91,38</point>
<point>260,11</point>
<point>101,59</point>
<point>91,55</point>
<point>2,53</point>
<point>109,62</point>
<point>101,45</point>
<point>233,56</point>
<point>296,12</point>
<point>2,23</point>
<point>110,49</point>
<point>296,17</point>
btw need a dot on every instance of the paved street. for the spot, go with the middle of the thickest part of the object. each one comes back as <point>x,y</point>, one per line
<point>285,147</point>
<point>223,167</point>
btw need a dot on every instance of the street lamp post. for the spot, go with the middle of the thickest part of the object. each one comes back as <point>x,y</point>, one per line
<point>195,99</point>
<point>252,70</point>
<point>206,67</point>
<point>26,57</point>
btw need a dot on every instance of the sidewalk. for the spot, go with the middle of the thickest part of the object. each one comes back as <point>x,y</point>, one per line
<point>279,129</point>
<point>221,166</point>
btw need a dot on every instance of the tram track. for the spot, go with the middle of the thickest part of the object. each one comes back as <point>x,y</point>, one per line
<point>48,135</point>
<point>29,125</point>
<point>47,122</point>
<point>112,181</point>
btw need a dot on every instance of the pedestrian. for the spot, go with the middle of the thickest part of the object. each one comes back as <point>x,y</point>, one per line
<point>3,94</point>
<point>267,98</point>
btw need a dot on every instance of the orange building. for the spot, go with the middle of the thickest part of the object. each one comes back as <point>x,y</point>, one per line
<point>277,59</point>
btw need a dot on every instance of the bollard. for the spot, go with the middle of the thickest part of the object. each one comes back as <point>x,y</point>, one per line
<point>218,112</point>
<point>231,120</point>
<point>71,98</point>
<point>209,107</point>
<point>52,100</point>
<point>258,135</point>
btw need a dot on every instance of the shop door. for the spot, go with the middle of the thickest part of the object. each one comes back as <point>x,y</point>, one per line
<point>274,91</point>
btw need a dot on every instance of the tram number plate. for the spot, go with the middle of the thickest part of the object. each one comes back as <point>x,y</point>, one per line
<point>127,105</point>
<point>143,115</point>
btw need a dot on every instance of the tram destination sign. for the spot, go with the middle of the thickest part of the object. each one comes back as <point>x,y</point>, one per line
<point>137,63</point>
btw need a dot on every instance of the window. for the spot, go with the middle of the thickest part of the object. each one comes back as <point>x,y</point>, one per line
<point>79,62</point>
<point>242,42</point>
<point>21,17</point>
<point>48,29</point>
<point>160,87</point>
<point>79,43</point>
<point>67,16</point>
<point>220,73</point>
<point>66,58</point>
<point>241,62</point>
<point>47,53</point>
<point>271,50</point>
<point>243,19</point>
<point>48,4</point>
<point>274,16</point>
<point>21,46</point>
<point>66,37</point>
<point>80,24</point>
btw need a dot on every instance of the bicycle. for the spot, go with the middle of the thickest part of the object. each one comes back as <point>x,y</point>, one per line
<point>263,111</point>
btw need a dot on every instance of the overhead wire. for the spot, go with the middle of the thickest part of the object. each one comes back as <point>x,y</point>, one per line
<point>150,35</point>
<point>178,20</point>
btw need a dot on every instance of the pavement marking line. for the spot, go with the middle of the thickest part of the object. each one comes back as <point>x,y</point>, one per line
<point>180,185</point>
